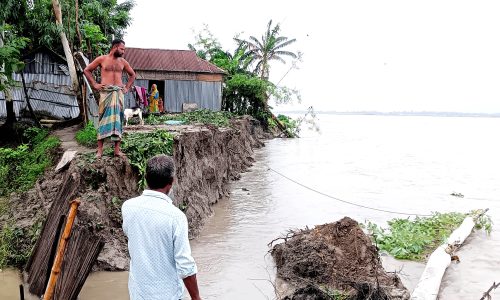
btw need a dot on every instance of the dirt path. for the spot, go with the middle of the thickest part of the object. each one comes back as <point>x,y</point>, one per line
<point>68,141</point>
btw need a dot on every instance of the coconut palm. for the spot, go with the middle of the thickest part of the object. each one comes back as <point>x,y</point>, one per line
<point>269,48</point>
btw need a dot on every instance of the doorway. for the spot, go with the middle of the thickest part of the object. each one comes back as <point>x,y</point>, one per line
<point>160,85</point>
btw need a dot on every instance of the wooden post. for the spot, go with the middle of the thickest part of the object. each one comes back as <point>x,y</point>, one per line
<point>56,268</point>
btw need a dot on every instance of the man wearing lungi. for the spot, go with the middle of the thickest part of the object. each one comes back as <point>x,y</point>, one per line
<point>112,92</point>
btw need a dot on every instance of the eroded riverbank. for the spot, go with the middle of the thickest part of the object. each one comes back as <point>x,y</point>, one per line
<point>355,159</point>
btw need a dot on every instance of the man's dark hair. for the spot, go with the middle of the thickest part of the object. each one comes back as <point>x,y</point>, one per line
<point>117,42</point>
<point>160,171</point>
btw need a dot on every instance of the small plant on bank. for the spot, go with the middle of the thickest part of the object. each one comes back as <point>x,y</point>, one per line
<point>290,124</point>
<point>87,136</point>
<point>202,116</point>
<point>140,147</point>
<point>416,239</point>
<point>20,167</point>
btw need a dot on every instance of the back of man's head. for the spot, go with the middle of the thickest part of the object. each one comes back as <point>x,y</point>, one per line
<point>160,171</point>
<point>117,42</point>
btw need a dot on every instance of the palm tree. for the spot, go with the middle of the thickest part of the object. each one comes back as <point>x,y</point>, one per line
<point>269,48</point>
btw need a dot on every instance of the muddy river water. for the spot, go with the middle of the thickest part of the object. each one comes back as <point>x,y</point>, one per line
<point>405,164</point>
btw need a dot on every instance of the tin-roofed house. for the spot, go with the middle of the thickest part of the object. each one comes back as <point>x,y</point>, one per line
<point>180,76</point>
<point>48,86</point>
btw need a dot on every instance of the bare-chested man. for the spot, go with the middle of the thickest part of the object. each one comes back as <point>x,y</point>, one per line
<point>111,91</point>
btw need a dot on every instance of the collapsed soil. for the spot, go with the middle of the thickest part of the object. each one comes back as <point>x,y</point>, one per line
<point>206,159</point>
<point>334,258</point>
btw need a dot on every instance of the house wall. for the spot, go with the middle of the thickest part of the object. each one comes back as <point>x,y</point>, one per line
<point>48,93</point>
<point>207,95</point>
<point>203,89</point>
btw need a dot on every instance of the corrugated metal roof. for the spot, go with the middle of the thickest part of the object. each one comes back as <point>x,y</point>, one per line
<point>169,60</point>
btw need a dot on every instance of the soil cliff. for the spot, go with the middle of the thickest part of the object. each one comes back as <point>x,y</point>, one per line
<point>206,158</point>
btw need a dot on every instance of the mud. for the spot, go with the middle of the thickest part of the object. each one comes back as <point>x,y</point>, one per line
<point>334,258</point>
<point>206,158</point>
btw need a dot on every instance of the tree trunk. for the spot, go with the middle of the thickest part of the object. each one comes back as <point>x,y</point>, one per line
<point>67,51</point>
<point>78,27</point>
<point>9,104</point>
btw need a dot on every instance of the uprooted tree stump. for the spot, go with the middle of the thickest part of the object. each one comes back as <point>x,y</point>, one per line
<point>334,260</point>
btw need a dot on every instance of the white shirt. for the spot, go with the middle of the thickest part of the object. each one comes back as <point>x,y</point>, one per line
<point>158,244</point>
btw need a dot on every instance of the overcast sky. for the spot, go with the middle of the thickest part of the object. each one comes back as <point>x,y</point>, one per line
<point>358,55</point>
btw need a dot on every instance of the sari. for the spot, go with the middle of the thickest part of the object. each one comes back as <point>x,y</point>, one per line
<point>153,99</point>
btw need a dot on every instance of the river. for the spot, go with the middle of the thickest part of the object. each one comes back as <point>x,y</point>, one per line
<point>405,164</point>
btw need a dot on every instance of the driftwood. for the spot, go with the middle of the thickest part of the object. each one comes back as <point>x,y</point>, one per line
<point>430,281</point>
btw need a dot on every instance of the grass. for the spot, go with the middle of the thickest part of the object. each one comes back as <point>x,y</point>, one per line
<point>20,167</point>
<point>335,294</point>
<point>202,116</point>
<point>16,244</point>
<point>416,239</point>
<point>87,136</point>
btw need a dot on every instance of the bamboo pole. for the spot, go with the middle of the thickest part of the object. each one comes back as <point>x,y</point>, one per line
<point>56,268</point>
<point>430,281</point>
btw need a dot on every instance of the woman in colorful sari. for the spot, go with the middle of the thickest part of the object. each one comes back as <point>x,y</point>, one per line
<point>153,99</point>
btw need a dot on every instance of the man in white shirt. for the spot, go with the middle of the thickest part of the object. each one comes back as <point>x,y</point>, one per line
<point>160,255</point>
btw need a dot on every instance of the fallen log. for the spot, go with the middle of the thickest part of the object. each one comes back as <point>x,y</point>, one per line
<point>430,281</point>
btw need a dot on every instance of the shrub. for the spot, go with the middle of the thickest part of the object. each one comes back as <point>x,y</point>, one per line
<point>20,167</point>
<point>140,147</point>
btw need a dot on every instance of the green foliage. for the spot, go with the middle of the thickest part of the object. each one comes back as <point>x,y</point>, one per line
<point>10,55</point>
<point>94,37</point>
<point>206,44</point>
<point>202,116</point>
<point>87,136</point>
<point>20,167</point>
<point>482,220</point>
<point>17,243</point>
<point>415,239</point>
<point>140,147</point>
<point>246,91</point>
<point>246,94</point>
<point>283,94</point>
<point>287,121</point>
<point>98,22</point>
